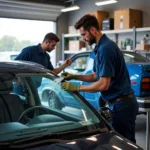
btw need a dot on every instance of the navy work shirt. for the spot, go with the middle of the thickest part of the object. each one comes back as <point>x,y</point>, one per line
<point>109,62</point>
<point>35,54</point>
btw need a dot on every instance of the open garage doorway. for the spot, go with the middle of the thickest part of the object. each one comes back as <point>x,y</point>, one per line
<point>17,34</point>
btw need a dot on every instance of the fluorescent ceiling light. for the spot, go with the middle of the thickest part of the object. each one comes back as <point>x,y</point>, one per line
<point>105,2</point>
<point>70,8</point>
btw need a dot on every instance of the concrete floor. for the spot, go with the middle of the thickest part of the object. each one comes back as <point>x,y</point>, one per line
<point>141,131</point>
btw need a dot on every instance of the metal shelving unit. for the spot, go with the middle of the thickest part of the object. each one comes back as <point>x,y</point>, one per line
<point>115,32</point>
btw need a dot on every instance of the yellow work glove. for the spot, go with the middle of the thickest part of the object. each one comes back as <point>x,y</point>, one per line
<point>68,76</point>
<point>68,86</point>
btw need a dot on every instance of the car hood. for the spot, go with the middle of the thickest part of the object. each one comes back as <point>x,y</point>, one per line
<point>104,141</point>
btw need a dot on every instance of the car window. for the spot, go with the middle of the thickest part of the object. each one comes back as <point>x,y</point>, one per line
<point>133,57</point>
<point>51,95</point>
<point>79,64</point>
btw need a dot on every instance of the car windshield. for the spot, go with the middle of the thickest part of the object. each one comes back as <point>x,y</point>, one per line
<point>33,104</point>
<point>131,57</point>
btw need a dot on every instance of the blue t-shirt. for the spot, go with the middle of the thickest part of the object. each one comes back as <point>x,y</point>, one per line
<point>35,54</point>
<point>109,62</point>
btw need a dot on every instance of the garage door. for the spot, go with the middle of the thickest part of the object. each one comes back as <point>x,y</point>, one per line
<point>26,10</point>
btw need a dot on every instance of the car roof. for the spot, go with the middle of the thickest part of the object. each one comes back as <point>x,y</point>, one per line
<point>81,53</point>
<point>89,51</point>
<point>21,66</point>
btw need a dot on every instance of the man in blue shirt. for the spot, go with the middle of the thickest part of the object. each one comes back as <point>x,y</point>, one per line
<point>110,77</point>
<point>38,53</point>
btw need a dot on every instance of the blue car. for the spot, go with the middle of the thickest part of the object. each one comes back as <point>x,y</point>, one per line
<point>138,68</point>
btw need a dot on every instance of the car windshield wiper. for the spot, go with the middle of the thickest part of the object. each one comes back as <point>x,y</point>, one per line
<point>50,135</point>
<point>98,130</point>
<point>52,138</point>
<point>37,140</point>
<point>64,134</point>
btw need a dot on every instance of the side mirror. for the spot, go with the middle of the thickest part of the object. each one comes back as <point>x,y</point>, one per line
<point>106,113</point>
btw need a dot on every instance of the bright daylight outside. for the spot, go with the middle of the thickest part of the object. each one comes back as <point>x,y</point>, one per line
<point>17,34</point>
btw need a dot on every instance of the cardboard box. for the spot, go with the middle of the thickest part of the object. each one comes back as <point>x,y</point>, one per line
<point>100,15</point>
<point>75,45</point>
<point>127,18</point>
<point>143,47</point>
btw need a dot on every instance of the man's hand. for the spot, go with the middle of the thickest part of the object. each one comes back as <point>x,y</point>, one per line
<point>68,76</point>
<point>68,86</point>
<point>67,62</point>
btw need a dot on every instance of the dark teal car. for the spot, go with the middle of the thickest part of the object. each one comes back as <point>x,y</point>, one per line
<point>138,68</point>
<point>28,121</point>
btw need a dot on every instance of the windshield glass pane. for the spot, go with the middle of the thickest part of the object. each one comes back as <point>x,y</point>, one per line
<point>133,57</point>
<point>51,95</point>
<point>35,104</point>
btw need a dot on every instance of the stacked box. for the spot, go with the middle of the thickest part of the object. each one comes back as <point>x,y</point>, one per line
<point>100,15</point>
<point>127,18</point>
<point>75,45</point>
<point>143,47</point>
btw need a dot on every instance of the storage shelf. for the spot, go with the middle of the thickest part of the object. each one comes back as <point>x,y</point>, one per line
<point>133,31</point>
<point>143,29</point>
<point>117,31</point>
<point>143,51</point>
<point>126,30</point>
<point>112,32</point>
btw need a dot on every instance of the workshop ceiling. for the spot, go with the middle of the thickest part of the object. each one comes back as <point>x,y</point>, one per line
<point>33,9</point>
<point>53,2</point>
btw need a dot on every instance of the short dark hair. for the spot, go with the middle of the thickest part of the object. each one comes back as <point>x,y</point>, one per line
<point>51,37</point>
<point>87,21</point>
